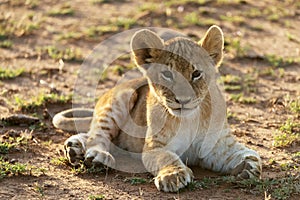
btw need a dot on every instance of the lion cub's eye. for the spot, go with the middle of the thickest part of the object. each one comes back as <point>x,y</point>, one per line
<point>167,75</point>
<point>196,75</point>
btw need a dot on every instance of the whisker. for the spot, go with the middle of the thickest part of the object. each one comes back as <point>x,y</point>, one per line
<point>197,99</point>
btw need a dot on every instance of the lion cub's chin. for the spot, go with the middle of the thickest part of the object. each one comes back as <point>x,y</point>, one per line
<point>183,112</point>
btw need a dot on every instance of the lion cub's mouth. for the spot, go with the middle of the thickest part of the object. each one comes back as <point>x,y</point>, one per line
<point>182,112</point>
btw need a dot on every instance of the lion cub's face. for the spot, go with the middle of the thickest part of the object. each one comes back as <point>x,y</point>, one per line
<point>179,71</point>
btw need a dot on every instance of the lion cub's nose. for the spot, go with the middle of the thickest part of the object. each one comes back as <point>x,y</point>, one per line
<point>182,101</point>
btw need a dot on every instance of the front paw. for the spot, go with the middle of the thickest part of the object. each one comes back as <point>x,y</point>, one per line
<point>249,168</point>
<point>74,148</point>
<point>172,178</point>
<point>96,157</point>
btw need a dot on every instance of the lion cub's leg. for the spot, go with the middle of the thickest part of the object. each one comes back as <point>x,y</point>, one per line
<point>75,147</point>
<point>169,171</point>
<point>160,158</point>
<point>110,115</point>
<point>231,157</point>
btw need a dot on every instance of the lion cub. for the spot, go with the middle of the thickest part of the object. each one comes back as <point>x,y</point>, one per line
<point>179,103</point>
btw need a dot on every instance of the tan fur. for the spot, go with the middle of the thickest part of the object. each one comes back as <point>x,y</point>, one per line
<point>173,107</point>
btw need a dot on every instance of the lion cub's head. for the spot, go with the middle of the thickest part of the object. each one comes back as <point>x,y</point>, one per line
<point>179,70</point>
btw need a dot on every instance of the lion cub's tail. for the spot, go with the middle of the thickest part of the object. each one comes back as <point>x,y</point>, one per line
<point>75,120</point>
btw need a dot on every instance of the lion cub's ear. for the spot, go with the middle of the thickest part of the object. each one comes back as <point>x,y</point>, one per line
<point>213,43</point>
<point>146,47</point>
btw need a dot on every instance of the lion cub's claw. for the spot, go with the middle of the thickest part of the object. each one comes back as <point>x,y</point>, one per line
<point>173,178</point>
<point>74,149</point>
<point>95,157</point>
<point>249,168</point>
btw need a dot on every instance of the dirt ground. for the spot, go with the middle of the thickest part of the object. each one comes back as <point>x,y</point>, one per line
<point>47,41</point>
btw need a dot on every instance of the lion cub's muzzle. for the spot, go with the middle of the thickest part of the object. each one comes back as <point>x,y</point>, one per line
<point>182,106</point>
<point>183,101</point>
